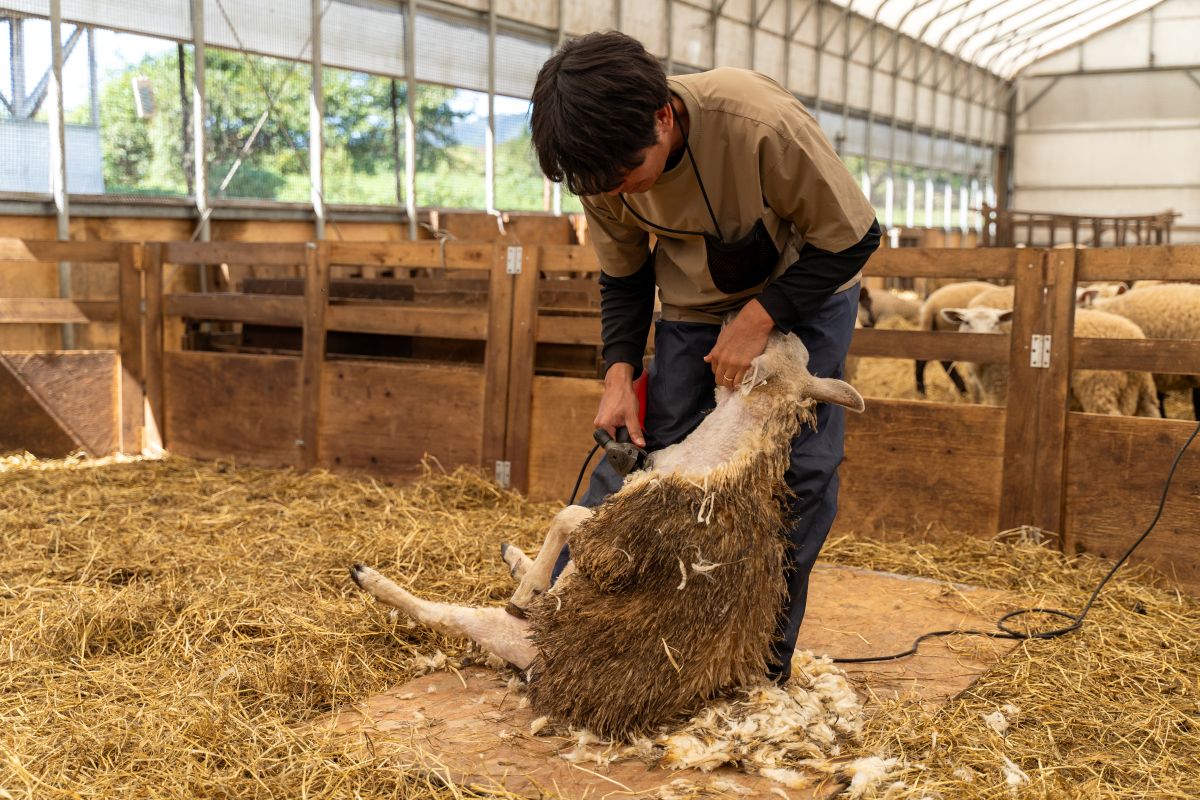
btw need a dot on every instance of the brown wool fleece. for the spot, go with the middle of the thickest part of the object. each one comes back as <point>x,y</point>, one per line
<point>625,643</point>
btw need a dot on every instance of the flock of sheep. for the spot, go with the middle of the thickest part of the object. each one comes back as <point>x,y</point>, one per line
<point>1150,309</point>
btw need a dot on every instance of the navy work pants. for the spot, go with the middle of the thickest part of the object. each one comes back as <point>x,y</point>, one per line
<point>681,391</point>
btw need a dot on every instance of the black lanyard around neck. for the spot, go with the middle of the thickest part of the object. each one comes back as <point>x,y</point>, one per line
<point>688,148</point>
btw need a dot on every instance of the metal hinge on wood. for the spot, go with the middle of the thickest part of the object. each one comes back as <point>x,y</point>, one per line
<point>504,471</point>
<point>513,266</point>
<point>1039,351</point>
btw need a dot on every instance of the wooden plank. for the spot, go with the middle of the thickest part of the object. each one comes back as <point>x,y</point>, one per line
<point>1116,469</point>
<point>35,250</point>
<point>1163,356</point>
<point>316,300</point>
<point>930,345</point>
<point>220,405</point>
<point>407,320</point>
<point>496,359</point>
<point>253,308</point>
<point>955,488</point>
<point>153,320</point>
<point>450,255</point>
<point>74,393</point>
<point>383,418</point>
<point>561,412</point>
<point>521,367</point>
<point>55,310</point>
<point>1038,396</point>
<point>133,392</point>
<point>1179,262</point>
<point>274,254</point>
<point>556,329</point>
<point>943,262</point>
<point>568,258</point>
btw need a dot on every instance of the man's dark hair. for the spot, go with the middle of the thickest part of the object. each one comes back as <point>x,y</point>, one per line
<point>593,110</point>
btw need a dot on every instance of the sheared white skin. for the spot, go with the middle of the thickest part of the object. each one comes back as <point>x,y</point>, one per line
<point>714,442</point>
<point>537,576</point>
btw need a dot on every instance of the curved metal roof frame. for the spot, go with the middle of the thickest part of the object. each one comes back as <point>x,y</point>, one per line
<point>1002,36</point>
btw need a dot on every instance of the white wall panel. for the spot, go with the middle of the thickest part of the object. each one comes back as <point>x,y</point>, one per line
<point>881,94</point>
<point>806,16</point>
<point>594,15</point>
<point>451,53</point>
<point>737,9</point>
<point>833,29</point>
<point>942,106</point>
<point>904,100</point>
<point>1104,99</point>
<point>733,44</point>
<point>276,28</point>
<point>517,63</point>
<point>170,19</point>
<point>363,39</point>
<point>645,21</point>
<point>774,17</point>
<point>690,37</point>
<point>924,109</point>
<point>831,87</point>
<point>802,76</point>
<point>535,12</point>
<point>1177,33</point>
<point>1109,158</point>
<point>1127,45</point>
<point>858,86</point>
<point>768,55</point>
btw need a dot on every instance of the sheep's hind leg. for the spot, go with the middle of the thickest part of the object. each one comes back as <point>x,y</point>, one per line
<point>492,629</point>
<point>518,563</point>
<point>537,576</point>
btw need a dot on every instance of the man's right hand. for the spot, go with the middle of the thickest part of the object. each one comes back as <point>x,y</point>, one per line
<point>619,404</point>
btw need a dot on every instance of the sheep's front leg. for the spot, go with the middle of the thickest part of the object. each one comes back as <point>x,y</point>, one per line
<point>492,629</point>
<point>537,575</point>
<point>518,563</point>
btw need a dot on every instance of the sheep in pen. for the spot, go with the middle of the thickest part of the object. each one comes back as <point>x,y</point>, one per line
<point>677,580</point>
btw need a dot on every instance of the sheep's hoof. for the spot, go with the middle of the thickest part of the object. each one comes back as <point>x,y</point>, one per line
<point>515,610</point>
<point>356,575</point>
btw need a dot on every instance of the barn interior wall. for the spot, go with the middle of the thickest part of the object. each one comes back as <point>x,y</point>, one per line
<point>1110,126</point>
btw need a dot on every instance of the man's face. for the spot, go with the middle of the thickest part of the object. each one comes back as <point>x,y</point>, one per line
<point>654,158</point>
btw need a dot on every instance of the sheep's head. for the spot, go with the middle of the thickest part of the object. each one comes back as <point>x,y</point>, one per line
<point>978,319</point>
<point>784,363</point>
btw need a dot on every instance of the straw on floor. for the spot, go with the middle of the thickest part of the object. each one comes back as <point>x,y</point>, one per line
<point>166,627</point>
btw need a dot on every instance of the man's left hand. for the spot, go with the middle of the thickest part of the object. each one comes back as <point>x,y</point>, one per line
<point>740,342</point>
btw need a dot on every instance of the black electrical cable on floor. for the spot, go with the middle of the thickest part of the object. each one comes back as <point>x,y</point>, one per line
<point>1005,632</point>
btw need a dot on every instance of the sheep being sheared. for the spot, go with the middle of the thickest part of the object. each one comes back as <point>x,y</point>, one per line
<point>677,581</point>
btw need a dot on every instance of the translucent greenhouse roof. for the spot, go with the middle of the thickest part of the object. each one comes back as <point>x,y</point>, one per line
<point>1002,36</point>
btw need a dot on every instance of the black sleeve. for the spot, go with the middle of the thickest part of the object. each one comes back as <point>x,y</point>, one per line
<point>626,310</point>
<point>815,276</point>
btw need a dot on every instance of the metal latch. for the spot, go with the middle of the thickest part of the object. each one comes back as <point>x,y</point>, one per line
<point>514,261</point>
<point>1039,351</point>
<point>504,468</point>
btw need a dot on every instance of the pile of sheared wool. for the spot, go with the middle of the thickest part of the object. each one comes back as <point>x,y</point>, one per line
<point>766,729</point>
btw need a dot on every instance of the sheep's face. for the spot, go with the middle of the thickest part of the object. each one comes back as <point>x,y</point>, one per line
<point>785,364</point>
<point>978,319</point>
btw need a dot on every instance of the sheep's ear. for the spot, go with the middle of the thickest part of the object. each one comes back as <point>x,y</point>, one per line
<point>1005,316</point>
<point>839,393</point>
<point>1122,288</point>
<point>953,315</point>
<point>1086,298</point>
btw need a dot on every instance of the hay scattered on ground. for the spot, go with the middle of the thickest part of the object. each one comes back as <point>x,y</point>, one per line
<point>166,627</point>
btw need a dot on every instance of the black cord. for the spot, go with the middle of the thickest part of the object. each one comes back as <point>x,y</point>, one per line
<point>1005,632</point>
<point>582,470</point>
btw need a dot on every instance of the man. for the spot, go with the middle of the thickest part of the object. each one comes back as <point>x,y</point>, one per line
<point>756,218</point>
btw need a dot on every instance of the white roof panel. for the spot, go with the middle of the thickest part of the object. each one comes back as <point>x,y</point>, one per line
<point>1002,36</point>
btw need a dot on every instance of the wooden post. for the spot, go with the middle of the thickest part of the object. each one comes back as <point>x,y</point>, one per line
<point>152,261</point>
<point>316,300</point>
<point>129,292</point>
<point>496,359</point>
<point>521,367</point>
<point>1038,390</point>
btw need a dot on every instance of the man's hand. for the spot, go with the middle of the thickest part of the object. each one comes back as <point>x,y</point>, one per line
<point>619,404</point>
<point>740,342</point>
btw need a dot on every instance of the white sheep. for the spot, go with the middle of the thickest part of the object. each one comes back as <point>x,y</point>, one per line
<point>1092,391</point>
<point>1163,311</point>
<point>952,295</point>
<point>677,578</point>
<point>880,304</point>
